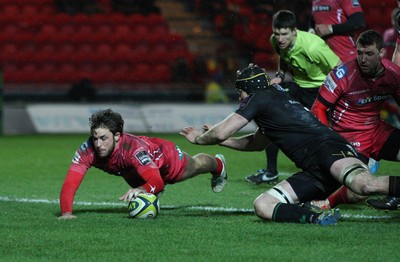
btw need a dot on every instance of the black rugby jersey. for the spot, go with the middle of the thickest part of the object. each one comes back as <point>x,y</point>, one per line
<point>288,124</point>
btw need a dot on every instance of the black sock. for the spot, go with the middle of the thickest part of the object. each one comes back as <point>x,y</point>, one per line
<point>272,157</point>
<point>293,214</point>
<point>394,186</point>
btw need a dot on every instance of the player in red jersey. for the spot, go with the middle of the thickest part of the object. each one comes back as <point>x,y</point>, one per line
<point>336,21</point>
<point>325,159</point>
<point>396,53</point>
<point>353,95</point>
<point>390,36</point>
<point>146,163</point>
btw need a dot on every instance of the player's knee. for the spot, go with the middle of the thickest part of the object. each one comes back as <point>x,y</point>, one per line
<point>264,204</point>
<point>260,206</point>
<point>351,172</point>
<point>363,185</point>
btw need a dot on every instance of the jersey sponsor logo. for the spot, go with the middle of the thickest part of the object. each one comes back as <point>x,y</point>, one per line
<point>143,158</point>
<point>371,99</point>
<point>321,8</point>
<point>330,83</point>
<point>353,151</point>
<point>76,158</point>
<point>180,153</point>
<point>341,71</point>
<point>152,189</point>
<point>293,102</point>
<point>359,92</point>
<point>84,147</point>
<point>355,3</point>
<point>278,87</point>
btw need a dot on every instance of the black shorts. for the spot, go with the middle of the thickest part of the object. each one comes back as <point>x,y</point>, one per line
<point>316,181</point>
<point>391,147</point>
<point>313,185</point>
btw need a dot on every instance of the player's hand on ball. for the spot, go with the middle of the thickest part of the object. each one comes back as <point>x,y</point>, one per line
<point>66,215</point>
<point>132,193</point>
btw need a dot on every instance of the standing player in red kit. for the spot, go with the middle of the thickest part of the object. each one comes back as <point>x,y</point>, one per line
<point>353,95</point>
<point>336,21</point>
<point>396,53</point>
<point>146,163</point>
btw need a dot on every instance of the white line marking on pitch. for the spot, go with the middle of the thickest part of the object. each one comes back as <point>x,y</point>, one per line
<point>198,208</point>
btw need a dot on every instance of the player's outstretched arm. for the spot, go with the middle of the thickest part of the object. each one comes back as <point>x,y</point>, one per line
<point>250,142</point>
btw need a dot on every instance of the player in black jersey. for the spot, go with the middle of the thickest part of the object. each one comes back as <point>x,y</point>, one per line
<point>325,158</point>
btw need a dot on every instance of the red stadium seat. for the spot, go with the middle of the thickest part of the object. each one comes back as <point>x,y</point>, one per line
<point>48,46</point>
<point>143,73</point>
<point>122,52</point>
<point>121,72</point>
<point>9,50</point>
<point>161,73</point>
<point>266,60</point>
<point>159,30</point>
<point>159,48</point>
<point>140,30</point>
<point>10,29</point>
<point>49,29</point>
<point>67,29</point>
<point>122,29</point>
<point>66,73</point>
<point>105,28</point>
<point>102,73</point>
<point>84,29</point>
<point>29,10</point>
<point>104,49</point>
<point>12,10</point>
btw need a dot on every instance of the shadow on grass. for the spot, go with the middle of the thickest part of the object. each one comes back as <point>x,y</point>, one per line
<point>184,210</point>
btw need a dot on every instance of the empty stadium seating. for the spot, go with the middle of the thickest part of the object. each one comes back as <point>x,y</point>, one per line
<point>38,44</point>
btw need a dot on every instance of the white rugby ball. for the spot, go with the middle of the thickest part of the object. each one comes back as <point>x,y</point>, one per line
<point>144,206</point>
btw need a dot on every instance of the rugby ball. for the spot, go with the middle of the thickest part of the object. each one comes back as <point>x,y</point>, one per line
<point>144,206</point>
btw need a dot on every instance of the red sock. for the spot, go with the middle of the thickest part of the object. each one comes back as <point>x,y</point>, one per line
<point>219,167</point>
<point>339,197</point>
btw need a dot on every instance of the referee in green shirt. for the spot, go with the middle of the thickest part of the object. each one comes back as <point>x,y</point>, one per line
<point>309,60</point>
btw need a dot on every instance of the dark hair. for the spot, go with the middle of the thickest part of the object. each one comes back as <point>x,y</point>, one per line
<point>284,19</point>
<point>370,37</point>
<point>107,119</point>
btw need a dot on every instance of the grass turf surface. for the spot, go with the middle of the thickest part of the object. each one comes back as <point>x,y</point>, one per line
<point>195,224</point>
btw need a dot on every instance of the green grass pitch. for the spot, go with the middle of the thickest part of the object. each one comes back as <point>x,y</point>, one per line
<point>194,224</point>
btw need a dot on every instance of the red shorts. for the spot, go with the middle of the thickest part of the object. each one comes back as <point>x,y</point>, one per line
<point>175,160</point>
<point>370,142</point>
